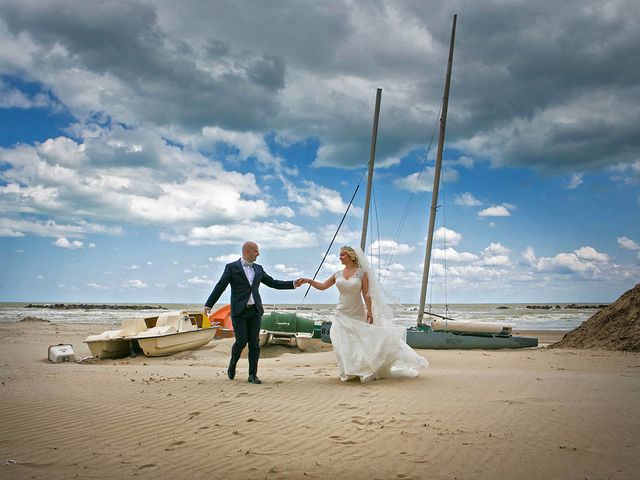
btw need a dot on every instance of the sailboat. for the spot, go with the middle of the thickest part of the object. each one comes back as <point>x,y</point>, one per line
<point>444,332</point>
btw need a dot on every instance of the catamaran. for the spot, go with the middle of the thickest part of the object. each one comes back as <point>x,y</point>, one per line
<point>443,332</point>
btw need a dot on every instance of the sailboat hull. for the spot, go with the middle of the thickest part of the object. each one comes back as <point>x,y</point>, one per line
<point>428,339</point>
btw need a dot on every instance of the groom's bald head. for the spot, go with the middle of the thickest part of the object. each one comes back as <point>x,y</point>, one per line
<point>250,251</point>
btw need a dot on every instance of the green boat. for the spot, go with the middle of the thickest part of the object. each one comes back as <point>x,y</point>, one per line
<point>287,329</point>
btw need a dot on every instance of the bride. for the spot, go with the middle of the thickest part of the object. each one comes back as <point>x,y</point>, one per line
<point>367,343</point>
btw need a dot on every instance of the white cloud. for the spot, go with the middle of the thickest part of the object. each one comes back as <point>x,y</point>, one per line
<point>495,211</point>
<point>467,200</point>
<point>529,255</point>
<point>423,181</point>
<point>575,180</point>
<point>451,254</point>
<point>63,242</point>
<point>232,257</point>
<point>590,253</point>
<point>315,199</point>
<point>290,272</point>
<point>134,284</point>
<point>584,260</point>
<point>200,280</point>
<point>496,249</point>
<point>390,247</point>
<point>247,144</point>
<point>445,235</point>
<point>272,235</point>
<point>50,228</point>
<point>627,243</point>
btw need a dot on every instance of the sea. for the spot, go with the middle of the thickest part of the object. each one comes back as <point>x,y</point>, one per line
<point>543,316</point>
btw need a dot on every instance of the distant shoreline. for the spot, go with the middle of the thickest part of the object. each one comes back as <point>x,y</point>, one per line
<point>94,306</point>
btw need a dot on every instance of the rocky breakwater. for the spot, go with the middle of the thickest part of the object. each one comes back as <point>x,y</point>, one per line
<point>92,306</point>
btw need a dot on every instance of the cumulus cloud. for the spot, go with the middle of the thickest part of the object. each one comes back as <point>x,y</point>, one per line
<point>423,181</point>
<point>448,236</point>
<point>496,211</point>
<point>134,284</point>
<point>272,235</point>
<point>51,228</point>
<point>451,254</point>
<point>200,281</point>
<point>63,242</point>
<point>575,180</point>
<point>315,199</point>
<point>627,243</point>
<point>467,200</point>
<point>584,260</point>
<point>389,247</point>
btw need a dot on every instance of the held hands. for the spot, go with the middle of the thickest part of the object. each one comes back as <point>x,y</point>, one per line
<point>299,281</point>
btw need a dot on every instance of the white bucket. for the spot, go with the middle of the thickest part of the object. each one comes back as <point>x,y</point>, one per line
<point>62,353</point>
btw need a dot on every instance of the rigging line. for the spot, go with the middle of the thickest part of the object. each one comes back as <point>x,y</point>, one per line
<point>403,218</point>
<point>334,236</point>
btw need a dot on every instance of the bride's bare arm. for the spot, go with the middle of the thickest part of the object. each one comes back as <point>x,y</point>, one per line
<point>367,298</point>
<point>318,285</point>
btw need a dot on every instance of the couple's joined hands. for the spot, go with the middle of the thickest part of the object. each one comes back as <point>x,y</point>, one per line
<point>301,281</point>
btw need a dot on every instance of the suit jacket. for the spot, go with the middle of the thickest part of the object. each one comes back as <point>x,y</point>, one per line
<point>241,289</point>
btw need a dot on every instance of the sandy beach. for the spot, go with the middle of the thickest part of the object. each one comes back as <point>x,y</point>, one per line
<point>523,414</point>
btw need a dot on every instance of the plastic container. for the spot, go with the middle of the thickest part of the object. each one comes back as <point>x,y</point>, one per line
<point>63,352</point>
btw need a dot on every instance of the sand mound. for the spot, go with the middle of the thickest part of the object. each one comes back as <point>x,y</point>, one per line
<point>616,327</point>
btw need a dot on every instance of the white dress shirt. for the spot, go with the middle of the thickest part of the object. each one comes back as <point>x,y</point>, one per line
<point>251,274</point>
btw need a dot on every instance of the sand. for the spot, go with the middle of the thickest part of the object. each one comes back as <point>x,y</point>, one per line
<point>521,414</point>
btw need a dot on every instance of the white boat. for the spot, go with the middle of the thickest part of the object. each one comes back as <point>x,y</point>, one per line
<point>174,332</point>
<point>166,334</point>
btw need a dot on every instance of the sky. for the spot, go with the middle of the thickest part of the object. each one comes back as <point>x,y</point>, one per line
<point>142,142</point>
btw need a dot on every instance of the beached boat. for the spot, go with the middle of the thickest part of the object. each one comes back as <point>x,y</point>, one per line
<point>444,332</point>
<point>286,329</point>
<point>222,317</point>
<point>166,334</point>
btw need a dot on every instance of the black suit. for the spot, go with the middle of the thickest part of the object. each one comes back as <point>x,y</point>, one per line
<point>246,320</point>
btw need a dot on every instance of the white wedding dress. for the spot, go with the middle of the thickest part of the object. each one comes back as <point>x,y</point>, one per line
<point>369,351</point>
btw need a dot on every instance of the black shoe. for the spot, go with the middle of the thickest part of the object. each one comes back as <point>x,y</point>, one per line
<point>231,371</point>
<point>254,379</point>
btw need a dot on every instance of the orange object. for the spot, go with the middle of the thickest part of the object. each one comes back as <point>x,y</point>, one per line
<point>223,317</point>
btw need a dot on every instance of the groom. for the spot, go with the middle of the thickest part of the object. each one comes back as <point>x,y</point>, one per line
<point>245,277</point>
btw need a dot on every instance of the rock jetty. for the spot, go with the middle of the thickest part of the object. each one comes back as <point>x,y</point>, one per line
<point>91,306</point>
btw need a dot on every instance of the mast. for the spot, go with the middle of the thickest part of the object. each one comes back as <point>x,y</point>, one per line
<point>372,156</point>
<point>436,177</point>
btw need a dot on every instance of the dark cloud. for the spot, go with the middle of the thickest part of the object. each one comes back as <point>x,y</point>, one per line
<point>544,84</point>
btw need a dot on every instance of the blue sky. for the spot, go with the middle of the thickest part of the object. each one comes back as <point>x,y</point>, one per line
<point>141,142</point>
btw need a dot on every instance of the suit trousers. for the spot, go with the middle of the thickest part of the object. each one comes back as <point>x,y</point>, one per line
<point>246,327</point>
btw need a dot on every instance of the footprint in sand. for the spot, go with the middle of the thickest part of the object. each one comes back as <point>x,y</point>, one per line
<point>177,443</point>
<point>193,415</point>
<point>346,405</point>
<point>342,440</point>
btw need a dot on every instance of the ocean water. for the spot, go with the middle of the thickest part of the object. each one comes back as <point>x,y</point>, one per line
<point>558,317</point>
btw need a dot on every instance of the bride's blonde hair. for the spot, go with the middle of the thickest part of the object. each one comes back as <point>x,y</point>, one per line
<point>352,255</point>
